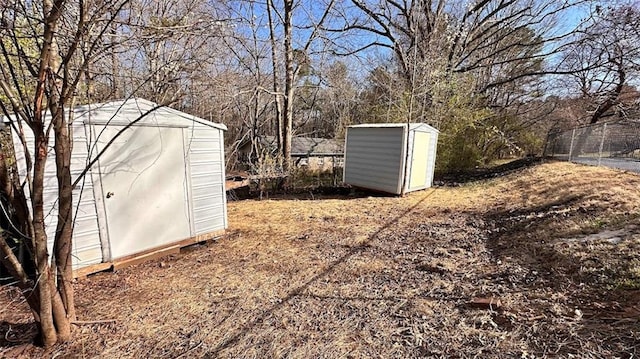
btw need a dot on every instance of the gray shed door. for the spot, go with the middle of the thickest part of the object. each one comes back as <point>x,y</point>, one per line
<point>143,184</point>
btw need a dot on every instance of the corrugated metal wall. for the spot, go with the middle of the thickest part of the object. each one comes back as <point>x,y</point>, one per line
<point>374,158</point>
<point>205,148</point>
<point>86,247</point>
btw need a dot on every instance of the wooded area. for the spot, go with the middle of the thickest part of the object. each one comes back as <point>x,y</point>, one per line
<point>494,76</point>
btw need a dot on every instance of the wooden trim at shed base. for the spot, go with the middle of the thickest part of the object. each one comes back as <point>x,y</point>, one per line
<point>90,269</point>
<point>144,256</point>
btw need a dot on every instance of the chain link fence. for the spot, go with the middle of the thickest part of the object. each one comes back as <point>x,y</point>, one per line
<point>613,144</point>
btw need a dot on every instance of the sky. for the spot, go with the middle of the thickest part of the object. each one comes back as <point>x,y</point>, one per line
<point>253,18</point>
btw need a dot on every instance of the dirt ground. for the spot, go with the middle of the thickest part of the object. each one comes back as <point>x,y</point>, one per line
<point>555,246</point>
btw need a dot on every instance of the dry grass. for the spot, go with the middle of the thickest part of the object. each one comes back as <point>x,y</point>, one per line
<point>360,277</point>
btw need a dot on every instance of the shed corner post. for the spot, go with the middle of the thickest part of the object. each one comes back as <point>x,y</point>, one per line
<point>223,179</point>
<point>344,156</point>
<point>405,159</point>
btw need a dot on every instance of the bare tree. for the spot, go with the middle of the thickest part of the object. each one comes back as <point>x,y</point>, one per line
<point>605,59</point>
<point>484,55</point>
<point>335,101</point>
<point>289,34</point>
<point>45,51</point>
<point>459,37</point>
<point>293,65</point>
<point>54,54</point>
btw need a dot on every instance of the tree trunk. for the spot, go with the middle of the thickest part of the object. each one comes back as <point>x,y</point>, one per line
<point>62,244</point>
<point>276,86</point>
<point>54,323</point>
<point>289,88</point>
<point>612,98</point>
<point>44,280</point>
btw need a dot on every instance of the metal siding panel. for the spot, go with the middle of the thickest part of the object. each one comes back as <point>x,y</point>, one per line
<point>205,201</point>
<point>85,236</point>
<point>201,181</point>
<point>209,220</point>
<point>205,167</point>
<point>373,158</point>
<point>206,163</point>
<point>365,168</point>
<point>375,183</point>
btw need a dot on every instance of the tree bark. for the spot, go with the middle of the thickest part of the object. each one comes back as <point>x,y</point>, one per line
<point>276,86</point>
<point>612,98</point>
<point>63,306</point>
<point>62,244</point>
<point>44,280</point>
<point>289,89</point>
<point>54,323</point>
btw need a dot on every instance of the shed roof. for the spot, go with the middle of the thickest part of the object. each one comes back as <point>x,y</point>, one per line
<point>413,126</point>
<point>308,146</point>
<point>124,112</point>
<point>315,146</point>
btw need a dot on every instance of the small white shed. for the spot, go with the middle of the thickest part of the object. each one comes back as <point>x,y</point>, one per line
<point>159,184</point>
<point>375,156</point>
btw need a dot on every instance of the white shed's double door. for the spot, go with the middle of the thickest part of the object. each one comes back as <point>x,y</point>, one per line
<point>144,187</point>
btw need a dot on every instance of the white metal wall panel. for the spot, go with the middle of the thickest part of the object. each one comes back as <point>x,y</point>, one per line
<point>120,113</point>
<point>206,164</point>
<point>86,236</point>
<point>409,157</point>
<point>374,158</point>
<point>86,240</point>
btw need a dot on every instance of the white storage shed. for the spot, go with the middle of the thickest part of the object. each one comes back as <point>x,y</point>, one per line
<point>375,156</point>
<point>159,184</point>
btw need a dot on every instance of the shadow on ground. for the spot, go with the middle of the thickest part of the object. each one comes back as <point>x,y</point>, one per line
<point>299,291</point>
<point>584,282</point>
<point>15,334</point>
<point>457,178</point>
